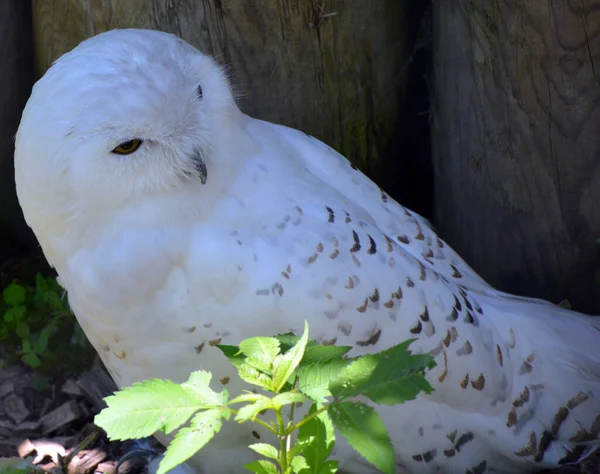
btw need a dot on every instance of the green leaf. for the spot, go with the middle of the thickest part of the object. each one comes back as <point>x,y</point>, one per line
<point>389,377</point>
<point>250,412</point>
<point>262,467</point>
<point>14,314</point>
<point>300,445</point>
<point>314,380</point>
<point>31,359</point>
<point>233,354</point>
<point>265,450</point>
<point>44,336</point>
<point>299,464</point>
<point>14,294</point>
<point>198,385</point>
<point>191,439</point>
<point>22,330</point>
<point>330,467</point>
<point>41,283</point>
<point>54,301</point>
<point>248,397</point>
<point>255,377</point>
<point>144,408</point>
<point>362,427</point>
<point>284,365</point>
<point>260,352</point>
<point>321,429</point>
<point>318,353</point>
<point>287,398</point>
<point>26,346</point>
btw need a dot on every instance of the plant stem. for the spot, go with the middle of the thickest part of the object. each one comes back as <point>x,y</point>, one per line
<point>283,435</point>
<point>306,419</point>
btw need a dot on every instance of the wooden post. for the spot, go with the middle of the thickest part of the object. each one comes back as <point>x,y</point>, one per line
<point>516,137</point>
<point>15,84</point>
<point>331,68</point>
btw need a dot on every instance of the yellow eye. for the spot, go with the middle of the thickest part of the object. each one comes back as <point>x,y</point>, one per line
<point>128,147</point>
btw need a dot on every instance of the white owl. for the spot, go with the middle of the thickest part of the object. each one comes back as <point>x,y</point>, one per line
<point>176,222</point>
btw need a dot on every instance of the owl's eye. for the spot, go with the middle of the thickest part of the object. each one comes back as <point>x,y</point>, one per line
<point>128,147</point>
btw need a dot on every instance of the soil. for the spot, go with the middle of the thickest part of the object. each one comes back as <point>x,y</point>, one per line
<point>54,425</point>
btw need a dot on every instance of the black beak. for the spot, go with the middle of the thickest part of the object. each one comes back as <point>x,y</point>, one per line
<point>200,166</point>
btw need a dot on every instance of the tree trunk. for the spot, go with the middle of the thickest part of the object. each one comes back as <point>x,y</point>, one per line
<point>15,85</point>
<point>331,68</point>
<point>517,144</point>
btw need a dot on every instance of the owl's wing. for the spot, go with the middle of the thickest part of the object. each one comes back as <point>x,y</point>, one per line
<point>413,232</point>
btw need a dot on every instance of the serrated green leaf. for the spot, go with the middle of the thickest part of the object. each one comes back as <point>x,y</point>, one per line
<point>287,340</point>
<point>314,379</point>
<point>14,294</point>
<point>255,377</point>
<point>260,352</point>
<point>31,359</point>
<point>250,412</point>
<point>389,377</point>
<point>248,397</point>
<point>321,429</point>
<point>190,440</point>
<point>319,353</point>
<point>287,398</point>
<point>363,428</point>
<point>262,467</point>
<point>198,385</point>
<point>284,365</point>
<point>233,354</point>
<point>265,450</point>
<point>144,408</point>
<point>299,464</point>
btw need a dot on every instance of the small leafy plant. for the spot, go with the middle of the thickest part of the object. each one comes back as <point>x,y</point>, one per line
<point>294,371</point>
<point>37,321</point>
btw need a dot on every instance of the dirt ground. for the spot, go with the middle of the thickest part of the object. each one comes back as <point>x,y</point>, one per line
<point>54,427</point>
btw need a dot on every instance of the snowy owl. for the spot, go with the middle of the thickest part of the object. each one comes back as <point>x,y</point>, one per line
<point>177,222</point>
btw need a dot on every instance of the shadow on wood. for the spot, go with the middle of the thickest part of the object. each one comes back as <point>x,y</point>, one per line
<point>15,85</point>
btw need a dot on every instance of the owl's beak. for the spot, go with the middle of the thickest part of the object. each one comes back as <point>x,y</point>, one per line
<point>200,166</point>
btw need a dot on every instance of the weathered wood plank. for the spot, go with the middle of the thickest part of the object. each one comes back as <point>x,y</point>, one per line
<point>516,142</point>
<point>332,68</point>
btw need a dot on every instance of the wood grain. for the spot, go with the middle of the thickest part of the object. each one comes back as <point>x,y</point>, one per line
<point>333,68</point>
<point>517,144</point>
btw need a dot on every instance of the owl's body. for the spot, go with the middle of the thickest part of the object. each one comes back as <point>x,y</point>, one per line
<point>221,227</point>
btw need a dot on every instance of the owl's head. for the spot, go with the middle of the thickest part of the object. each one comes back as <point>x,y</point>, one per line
<point>124,117</point>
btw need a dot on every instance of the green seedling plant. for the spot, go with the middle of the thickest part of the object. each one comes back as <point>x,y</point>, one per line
<point>291,372</point>
<point>37,321</point>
